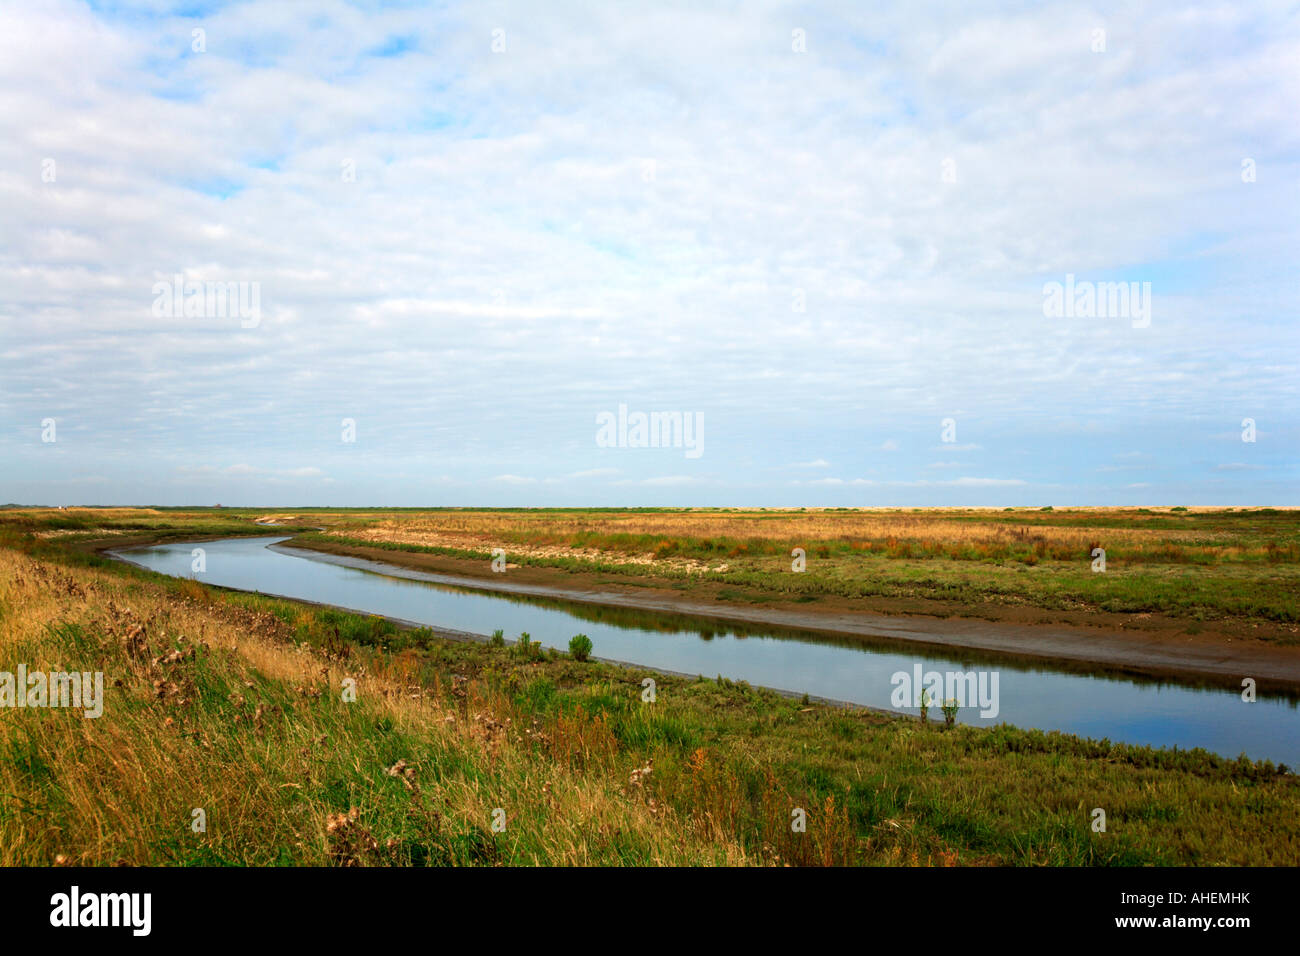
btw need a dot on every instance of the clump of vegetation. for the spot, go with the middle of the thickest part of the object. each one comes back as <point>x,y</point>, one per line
<point>526,648</point>
<point>498,638</point>
<point>580,647</point>
<point>950,711</point>
<point>194,591</point>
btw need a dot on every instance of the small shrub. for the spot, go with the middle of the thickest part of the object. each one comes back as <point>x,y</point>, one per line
<point>950,711</point>
<point>526,647</point>
<point>580,647</point>
<point>498,639</point>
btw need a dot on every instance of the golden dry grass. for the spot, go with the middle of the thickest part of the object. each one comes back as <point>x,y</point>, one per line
<point>620,531</point>
<point>219,712</point>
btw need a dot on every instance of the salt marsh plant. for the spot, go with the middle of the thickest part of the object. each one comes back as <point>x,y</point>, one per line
<point>580,647</point>
<point>950,708</point>
<point>526,648</point>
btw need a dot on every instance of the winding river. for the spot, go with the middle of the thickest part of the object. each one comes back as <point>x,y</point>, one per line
<point>864,672</point>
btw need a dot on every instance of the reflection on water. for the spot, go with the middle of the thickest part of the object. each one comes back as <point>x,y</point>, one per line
<point>840,668</point>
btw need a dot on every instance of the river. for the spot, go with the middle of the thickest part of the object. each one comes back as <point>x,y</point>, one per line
<point>1161,714</point>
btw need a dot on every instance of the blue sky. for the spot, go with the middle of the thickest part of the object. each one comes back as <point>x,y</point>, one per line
<point>473,229</point>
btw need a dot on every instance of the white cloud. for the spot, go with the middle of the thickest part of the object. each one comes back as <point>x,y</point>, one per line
<point>614,211</point>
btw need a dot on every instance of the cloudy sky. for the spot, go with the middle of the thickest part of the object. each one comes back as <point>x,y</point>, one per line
<point>820,230</point>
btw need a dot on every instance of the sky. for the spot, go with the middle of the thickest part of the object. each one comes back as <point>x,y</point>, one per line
<point>828,235</point>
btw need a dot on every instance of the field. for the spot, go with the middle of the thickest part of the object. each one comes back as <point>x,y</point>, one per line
<point>1217,573</point>
<point>231,704</point>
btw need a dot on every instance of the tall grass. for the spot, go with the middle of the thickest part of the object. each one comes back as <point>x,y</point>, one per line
<point>233,704</point>
<point>954,535</point>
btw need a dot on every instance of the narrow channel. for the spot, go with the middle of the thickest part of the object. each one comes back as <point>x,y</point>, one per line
<point>1159,714</point>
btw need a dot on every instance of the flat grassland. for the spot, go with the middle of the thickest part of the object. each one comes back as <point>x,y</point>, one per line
<point>231,703</point>
<point>1214,573</point>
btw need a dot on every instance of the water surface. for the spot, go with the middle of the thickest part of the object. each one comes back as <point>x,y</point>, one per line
<point>1161,714</point>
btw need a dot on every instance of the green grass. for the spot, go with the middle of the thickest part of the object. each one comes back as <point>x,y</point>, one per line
<point>1251,592</point>
<point>562,744</point>
<point>1005,796</point>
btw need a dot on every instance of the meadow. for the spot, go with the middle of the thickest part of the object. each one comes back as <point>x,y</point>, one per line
<point>1233,572</point>
<point>236,705</point>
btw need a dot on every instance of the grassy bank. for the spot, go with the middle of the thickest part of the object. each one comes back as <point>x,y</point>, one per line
<point>1228,574</point>
<point>233,704</point>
